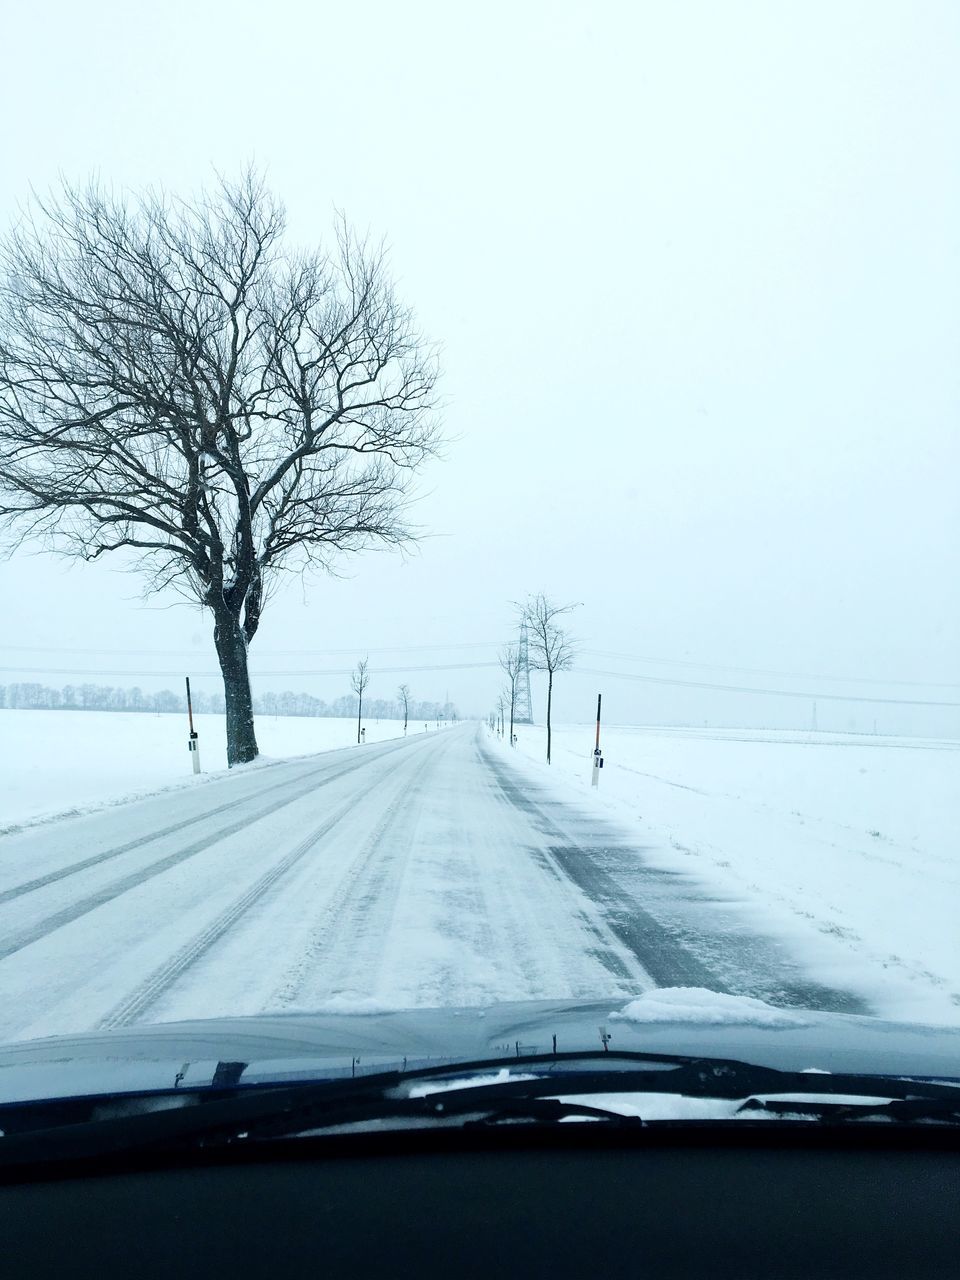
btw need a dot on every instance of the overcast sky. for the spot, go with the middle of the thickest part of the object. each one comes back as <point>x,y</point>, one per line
<point>695,270</point>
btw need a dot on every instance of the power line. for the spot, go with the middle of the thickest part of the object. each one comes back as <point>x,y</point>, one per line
<point>112,672</point>
<point>475,666</point>
<point>460,646</point>
<point>270,653</point>
<point>778,693</point>
<point>765,671</point>
<point>155,675</point>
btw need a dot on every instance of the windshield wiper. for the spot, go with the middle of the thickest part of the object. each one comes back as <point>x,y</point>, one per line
<point>912,1110</point>
<point>543,1090</point>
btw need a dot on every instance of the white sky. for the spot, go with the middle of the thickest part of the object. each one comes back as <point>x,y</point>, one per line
<point>695,268</point>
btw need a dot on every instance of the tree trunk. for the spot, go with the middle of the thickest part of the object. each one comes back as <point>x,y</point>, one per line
<point>359,713</point>
<point>549,701</point>
<point>232,651</point>
<point>513,703</point>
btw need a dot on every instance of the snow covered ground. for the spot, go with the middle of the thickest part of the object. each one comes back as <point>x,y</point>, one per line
<point>56,762</point>
<point>395,875</point>
<point>845,846</point>
<point>446,869</point>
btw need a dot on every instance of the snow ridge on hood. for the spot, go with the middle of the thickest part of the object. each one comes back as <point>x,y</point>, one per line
<point>707,1008</point>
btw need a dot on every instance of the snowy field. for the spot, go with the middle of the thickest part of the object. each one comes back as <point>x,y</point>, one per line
<point>846,846</point>
<point>56,762</point>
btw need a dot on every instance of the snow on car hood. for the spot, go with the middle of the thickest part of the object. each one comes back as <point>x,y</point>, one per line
<point>344,1040</point>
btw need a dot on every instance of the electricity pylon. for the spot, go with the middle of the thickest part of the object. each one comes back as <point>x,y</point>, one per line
<point>523,712</point>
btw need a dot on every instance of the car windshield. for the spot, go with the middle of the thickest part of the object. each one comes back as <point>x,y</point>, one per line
<point>479,524</point>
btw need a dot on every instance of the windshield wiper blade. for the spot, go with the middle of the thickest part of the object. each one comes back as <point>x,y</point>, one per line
<point>899,1110</point>
<point>466,1111</point>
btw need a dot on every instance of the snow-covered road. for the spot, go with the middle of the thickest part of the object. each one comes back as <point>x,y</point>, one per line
<point>423,871</point>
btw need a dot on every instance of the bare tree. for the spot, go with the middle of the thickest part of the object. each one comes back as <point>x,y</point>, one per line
<point>403,693</point>
<point>359,681</point>
<point>177,387</point>
<point>511,666</point>
<point>551,649</point>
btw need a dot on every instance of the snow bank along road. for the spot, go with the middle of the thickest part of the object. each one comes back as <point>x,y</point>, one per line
<point>423,871</point>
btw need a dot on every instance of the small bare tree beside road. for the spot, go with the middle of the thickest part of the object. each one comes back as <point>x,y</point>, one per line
<point>551,648</point>
<point>403,693</point>
<point>359,681</point>
<point>511,665</point>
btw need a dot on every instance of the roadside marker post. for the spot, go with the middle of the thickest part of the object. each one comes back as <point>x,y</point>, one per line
<point>597,757</point>
<point>193,744</point>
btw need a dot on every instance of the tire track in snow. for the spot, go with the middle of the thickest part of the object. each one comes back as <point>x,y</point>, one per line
<point>543,979</point>
<point>52,877</point>
<point>667,954</point>
<point>34,933</point>
<point>150,991</point>
<point>358,891</point>
<point>667,962</point>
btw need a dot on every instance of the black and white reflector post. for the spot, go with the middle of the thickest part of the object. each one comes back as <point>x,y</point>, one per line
<point>597,757</point>
<point>194,741</point>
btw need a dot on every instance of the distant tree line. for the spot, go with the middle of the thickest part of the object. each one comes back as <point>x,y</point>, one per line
<point>98,697</point>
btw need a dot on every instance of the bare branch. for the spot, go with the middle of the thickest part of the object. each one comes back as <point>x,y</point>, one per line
<point>360,677</point>
<point>551,648</point>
